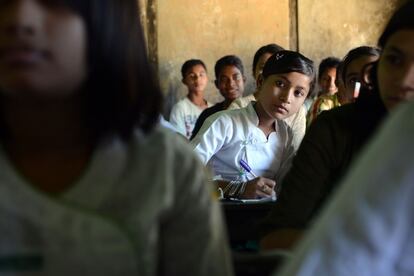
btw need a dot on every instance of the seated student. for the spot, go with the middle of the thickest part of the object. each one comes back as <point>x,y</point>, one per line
<point>229,81</point>
<point>297,121</point>
<point>350,74</point>
<point>336,136</point>
<point>357,60</point>
<point>257,134</point>
<point>343,95</point>
<point>310,100</point>
<point>259,60</point>
<point>366,229</point>
<point>353,68</point>
<point>184,114</point>
<point>88,184</point>
<point>327,98</point>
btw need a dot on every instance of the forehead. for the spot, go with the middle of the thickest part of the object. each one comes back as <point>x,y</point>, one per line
<point>263,58</point>
<point>229,71</point>
<point>402,41</point>
<point>195,69</point>
<point>356,66</point>
<point>295,79</point>
<point>331,71</point>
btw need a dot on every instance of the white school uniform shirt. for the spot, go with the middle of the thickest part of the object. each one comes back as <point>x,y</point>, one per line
<point>184,115</point>
<point>296,121</point>
<point>367,227</point>
<point>142,207</point>
<point>229,136</point>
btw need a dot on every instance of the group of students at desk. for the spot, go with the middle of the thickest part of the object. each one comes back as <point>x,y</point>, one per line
<point>361,90</point>
<point>250,146</point>
<point>80,144</point>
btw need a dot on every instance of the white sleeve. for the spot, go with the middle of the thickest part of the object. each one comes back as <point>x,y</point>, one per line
<point>177,119</point>
<point>299,127</point>
<point>367,225</point>
<point>213,135</point>
<point>193,235</point>
<point>288,155</point>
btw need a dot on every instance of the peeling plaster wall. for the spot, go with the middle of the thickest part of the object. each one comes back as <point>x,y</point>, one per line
<point>332,27</point>
<point>210,29</point>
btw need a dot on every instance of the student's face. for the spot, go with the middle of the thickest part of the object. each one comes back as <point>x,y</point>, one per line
<point>42,50</point>
<point>396,69</point>
<point>282,95</point>
<point>343,96</point>
<point>327,81</point>
<point>260,64</point>
<point>354,72</point>
<point>230,82</point>
<point>196,79</point>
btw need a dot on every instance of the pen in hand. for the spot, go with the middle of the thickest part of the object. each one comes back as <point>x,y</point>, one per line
<point>247,168</point>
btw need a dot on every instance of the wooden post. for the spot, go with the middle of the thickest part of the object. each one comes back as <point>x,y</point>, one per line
<point>152,33</point>
<point>294,25</point>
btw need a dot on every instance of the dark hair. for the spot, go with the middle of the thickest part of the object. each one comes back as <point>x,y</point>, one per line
<point>327,63</point>
<point>338,73</point>
<point>121,91</point>
<point>228,61</point>
<point>190,64</point>
<point>402,19</point>
<point>289,61</point>
<point>272,48</point>
<point>354,54</point>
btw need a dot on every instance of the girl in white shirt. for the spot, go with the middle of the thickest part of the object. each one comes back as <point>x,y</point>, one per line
<point>256,134</point>
<point>88,185</point>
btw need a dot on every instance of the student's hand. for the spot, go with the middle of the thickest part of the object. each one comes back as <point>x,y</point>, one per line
<point>259,187</point>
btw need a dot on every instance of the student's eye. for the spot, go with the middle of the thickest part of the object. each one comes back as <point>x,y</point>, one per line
<point>299,93</point>
<point>393,59</point>
<point>237,77</point>
<point>352,81</point>
<point>223,80</point>
<point>279,83</point>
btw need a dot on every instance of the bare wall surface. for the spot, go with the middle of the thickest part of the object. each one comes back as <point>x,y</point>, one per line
<point>210,29</point>
<point>332,27</point>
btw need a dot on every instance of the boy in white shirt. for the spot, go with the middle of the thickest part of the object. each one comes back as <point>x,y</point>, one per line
<point>184,114</point>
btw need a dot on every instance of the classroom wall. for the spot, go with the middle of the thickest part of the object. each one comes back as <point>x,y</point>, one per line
<point>210,29</point>
<point>331,27</point>
<point>178,30</point>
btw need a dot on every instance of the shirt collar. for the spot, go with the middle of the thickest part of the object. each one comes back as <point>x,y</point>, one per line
<point>251,113</point>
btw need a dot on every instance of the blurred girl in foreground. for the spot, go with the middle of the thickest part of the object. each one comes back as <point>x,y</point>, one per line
<point>88,185</point>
